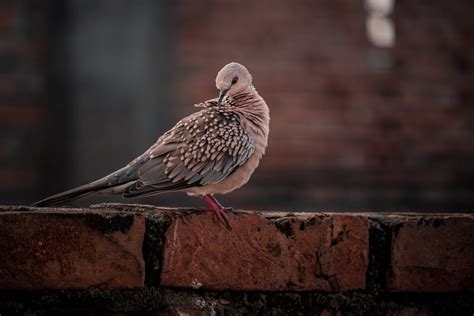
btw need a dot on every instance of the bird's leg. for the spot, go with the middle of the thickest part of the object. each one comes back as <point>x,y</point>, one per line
<point>218,209</point>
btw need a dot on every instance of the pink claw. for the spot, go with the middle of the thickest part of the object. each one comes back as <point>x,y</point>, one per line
<point>218,209</point>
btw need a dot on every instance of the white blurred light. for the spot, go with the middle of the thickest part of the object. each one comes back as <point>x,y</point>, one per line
<point>380,7</point>
<point>381,31</point>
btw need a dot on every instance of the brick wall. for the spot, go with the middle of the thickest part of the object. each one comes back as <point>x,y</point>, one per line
<point>113,259</point>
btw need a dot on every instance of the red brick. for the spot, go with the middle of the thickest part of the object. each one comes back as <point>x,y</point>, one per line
<point>62,249</point>
<point>433,254</point>
<point>268,253</point>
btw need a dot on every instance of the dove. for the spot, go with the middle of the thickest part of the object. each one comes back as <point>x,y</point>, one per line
<point>212,151</point>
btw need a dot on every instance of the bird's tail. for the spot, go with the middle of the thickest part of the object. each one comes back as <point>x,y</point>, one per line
<point>118,178</point>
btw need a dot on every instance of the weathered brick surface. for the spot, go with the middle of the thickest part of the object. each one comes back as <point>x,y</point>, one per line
<point>327,252</point>
<point>68,260</point>
<point>433,254</point>
<point>62,249</point>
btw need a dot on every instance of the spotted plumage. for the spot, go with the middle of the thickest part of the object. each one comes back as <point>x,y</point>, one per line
<point>214,150</point>
<point>201,149</point>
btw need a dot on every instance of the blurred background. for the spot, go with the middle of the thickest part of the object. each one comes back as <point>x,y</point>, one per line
<point>371,101</point>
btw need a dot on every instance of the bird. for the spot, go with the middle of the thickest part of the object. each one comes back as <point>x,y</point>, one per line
<point>212,151</point>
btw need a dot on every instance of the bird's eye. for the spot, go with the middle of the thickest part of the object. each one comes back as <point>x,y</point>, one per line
<point>235,79</point>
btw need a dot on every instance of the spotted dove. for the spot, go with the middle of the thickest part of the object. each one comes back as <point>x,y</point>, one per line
<point>212,151</point>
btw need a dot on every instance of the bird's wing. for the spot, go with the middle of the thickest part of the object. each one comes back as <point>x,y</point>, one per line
<point>201,149</point>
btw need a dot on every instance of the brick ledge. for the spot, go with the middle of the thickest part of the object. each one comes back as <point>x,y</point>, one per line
<point>120,246</point>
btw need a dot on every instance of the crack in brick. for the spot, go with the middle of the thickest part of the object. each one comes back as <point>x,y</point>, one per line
<point>320,273</point>
<point>341,236</point>
<point>153,246</point>
<point>380,236</point>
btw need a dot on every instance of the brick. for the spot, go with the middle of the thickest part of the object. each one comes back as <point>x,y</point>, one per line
<point>66,248</point>
<point>433,254</point>
<point>267,253</point>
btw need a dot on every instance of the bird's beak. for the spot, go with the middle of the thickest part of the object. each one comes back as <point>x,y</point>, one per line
<point>222,95</point>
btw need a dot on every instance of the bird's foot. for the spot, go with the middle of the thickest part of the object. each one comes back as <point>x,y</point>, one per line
<point>218,209</point>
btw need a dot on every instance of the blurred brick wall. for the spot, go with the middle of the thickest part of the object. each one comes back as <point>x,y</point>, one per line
<point>353,126</point>
<point>23,40</point>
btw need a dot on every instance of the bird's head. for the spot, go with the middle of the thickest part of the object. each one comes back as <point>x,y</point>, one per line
<point>232,79</point>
